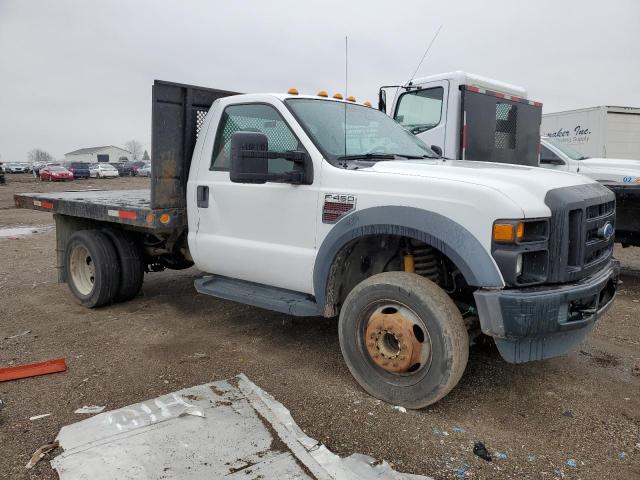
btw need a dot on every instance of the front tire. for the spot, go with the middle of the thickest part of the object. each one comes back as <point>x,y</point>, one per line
<point>92,268</point>
<point>403,339</point>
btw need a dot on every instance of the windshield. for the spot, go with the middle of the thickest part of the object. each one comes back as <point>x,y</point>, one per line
<point>56,169</point>
<point>368,132</point>
<point>567,150</point>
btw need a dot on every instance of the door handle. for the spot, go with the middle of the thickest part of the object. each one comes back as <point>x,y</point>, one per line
<point>203,196</point>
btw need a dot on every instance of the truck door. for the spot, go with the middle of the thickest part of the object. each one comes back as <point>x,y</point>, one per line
<point>263,233</point>
<point>423,111</point>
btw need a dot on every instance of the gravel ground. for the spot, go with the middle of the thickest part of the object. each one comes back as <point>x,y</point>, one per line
<point>583,407</point>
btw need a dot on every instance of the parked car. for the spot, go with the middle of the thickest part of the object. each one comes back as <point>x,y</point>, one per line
<point>15,167</point>
<point>55,173</point>
<point>137,165</point>
<point>39,166</point>
<point>125,169</point>
<point>103,170</point>
<point>79,169</point>
<point>145,171</point>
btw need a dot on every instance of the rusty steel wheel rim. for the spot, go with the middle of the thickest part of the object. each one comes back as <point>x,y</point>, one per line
<point>397,340</point>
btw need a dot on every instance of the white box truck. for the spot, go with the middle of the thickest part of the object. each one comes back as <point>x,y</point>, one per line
<point>600,132</point>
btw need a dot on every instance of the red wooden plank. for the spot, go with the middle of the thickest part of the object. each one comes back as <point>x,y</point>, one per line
<point>32,369</point>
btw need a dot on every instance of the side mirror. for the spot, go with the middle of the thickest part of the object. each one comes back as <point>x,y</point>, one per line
<point>551,161</point>
<point>250,161</point>
<point>437,150</point>
<point>246,167</point>
<point>382,101</point>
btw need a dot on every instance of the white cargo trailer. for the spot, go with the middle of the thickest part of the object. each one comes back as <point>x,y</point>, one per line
<point>604,132</point>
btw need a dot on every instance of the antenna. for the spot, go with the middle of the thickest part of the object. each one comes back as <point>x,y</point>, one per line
<point>346,94</point>
<point>425,53</point>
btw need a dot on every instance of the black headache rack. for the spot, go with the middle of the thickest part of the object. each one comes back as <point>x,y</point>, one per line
<point>497,127</point>
<point>178,113</point>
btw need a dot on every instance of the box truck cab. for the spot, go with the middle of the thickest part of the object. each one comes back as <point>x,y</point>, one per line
<point>468,117</point>
<point>314,206</point>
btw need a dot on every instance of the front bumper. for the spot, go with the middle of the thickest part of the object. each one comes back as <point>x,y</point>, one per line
<point>543,322</point>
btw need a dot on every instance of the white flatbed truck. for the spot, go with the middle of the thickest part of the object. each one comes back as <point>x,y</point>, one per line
<point>314,206</point>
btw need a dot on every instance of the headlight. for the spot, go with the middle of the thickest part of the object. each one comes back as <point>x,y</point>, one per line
<point>520,249</point>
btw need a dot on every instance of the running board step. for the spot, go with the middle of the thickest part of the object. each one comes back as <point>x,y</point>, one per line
<point>263,296</point>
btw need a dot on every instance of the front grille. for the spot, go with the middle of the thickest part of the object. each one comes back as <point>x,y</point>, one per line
<point>577,244</point>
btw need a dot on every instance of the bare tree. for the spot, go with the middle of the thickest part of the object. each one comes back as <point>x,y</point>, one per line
<point>135,147</point>
<point>145,156</point>
<point>39,156</point>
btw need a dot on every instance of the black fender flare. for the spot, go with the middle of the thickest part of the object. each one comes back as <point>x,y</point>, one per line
<point>442,233</point>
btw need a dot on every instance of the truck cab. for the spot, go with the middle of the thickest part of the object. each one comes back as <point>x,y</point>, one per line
<point>468,117</point>
<point>317,206</point>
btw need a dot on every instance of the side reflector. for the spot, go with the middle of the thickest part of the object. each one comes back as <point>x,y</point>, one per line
<point>124,214</point>
<point>520,231</point>
<point>165,218</point>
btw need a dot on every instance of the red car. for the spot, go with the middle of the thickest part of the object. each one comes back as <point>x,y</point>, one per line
<point>54,173</point>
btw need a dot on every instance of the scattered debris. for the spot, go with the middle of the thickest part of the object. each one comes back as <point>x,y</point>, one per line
<point>501,455</point>
<point>457,429</point>
<point>461,471</point>
<point>572,463</point>
<point>481,451</point>
<point>242,428</point>
<point>1,404</point>
<point>567,413</point>
<point>90,409</point>
<point>40,453</point>
<point>26,332</point>
<point>32,370</point>
<point>531,458</point>
<point>559,473</point>
<point>38,417</point>
<point>14,232</point>
<point>622,455</point>
<point>400,409</point>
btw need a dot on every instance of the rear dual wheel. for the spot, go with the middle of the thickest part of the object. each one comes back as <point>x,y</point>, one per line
<point>403,339</point>
<point>103,267</point>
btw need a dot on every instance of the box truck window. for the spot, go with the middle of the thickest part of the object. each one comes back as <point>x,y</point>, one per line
<point>420,110</point>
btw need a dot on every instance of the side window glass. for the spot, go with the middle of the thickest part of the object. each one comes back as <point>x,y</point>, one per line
<point>420,110</point>
<point>548,155</point>
<point>254,118</point>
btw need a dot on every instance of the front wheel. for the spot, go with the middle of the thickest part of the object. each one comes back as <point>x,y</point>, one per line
<point>403,339</point>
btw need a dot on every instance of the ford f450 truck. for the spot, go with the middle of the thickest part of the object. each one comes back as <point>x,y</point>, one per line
<point>314,206</point>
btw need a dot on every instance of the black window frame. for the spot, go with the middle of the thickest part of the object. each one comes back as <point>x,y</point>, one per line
<point>552,152</point>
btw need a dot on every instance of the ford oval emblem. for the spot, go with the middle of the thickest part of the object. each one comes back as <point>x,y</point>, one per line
<point>606,231</point>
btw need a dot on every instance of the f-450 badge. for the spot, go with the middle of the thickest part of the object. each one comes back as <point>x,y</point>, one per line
<point>336,206</point>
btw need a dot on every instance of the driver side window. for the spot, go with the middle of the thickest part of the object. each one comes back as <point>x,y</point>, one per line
<point>547,156</point>
<point>420,110</point>
<point>254,118</point>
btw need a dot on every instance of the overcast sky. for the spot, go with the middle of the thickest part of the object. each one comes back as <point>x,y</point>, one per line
<point>77,74</point>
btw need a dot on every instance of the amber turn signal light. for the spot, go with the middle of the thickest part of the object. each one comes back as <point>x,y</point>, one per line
<point>508,232</point>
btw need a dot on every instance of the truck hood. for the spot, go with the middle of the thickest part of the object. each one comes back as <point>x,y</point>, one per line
<point>611,169</point>
<point>525,186</point>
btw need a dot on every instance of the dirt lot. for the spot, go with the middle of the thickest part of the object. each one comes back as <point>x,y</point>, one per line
<point>584,407</point>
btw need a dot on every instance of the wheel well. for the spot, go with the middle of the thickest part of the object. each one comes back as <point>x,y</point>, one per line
<point>369,255</point>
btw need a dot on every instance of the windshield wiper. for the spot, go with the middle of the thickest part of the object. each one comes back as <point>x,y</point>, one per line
<point>368,156</point>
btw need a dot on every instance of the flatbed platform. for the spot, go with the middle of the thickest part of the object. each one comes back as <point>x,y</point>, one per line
<point>128,207</point>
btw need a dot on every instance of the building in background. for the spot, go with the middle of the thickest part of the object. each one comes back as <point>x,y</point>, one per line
<point>601,132</point>
<point>108,153</point>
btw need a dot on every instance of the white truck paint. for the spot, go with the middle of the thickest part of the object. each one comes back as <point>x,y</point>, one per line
<point>557,155</point>
<point>320,207</point>
<point>598,132</point>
